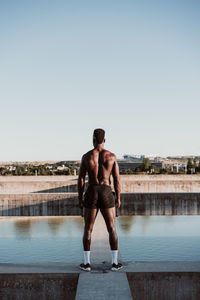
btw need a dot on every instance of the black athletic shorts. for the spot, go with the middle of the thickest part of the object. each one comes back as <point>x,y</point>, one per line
<point>99,196</point>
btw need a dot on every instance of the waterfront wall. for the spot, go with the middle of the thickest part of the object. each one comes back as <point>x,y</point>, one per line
<point>129,184</point>
<point>143,285</point>
<point>38,286</point>
<point>66,204</point>
<point>165,285</point>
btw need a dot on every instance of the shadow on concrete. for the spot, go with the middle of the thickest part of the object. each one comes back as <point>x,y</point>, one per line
<point>70,188</point>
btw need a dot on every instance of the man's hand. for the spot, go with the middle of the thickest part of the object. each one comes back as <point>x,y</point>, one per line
<point>81,203</point>
<point>118,203</point>
<point>81,182</point>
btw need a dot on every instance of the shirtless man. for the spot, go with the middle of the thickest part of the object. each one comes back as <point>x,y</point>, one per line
<point>100,164</point>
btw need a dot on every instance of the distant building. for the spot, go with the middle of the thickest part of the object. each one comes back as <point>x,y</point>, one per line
<point>62,168</point>
<point>133,161</point>
<point>124,165</point>
<point>134,157</point>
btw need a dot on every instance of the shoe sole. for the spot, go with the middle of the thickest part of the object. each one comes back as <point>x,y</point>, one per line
<point>87,270</point>
<point>115,270</point>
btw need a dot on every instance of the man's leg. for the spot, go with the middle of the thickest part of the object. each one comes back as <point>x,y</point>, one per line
<point>109,217</point>
<point>89,217</point>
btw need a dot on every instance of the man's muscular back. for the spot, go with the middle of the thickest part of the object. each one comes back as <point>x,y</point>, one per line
<point>99,165</point>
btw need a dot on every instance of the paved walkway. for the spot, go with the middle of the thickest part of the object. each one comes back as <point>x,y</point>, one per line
<point>103,286</point>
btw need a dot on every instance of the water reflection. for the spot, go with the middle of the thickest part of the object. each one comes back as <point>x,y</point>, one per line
<point>159,238</point>
<point>79,223</point>
<point>158,225</point>
<point>54,224</point>
<point>44,226</point>
<point>126,223</point>
<point>23,226</point>
<point>145,223</point>
<point>41,239</point>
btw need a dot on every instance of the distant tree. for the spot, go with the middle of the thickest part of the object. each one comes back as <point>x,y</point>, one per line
<point>189,165</point>
<point>198,167</point>
<point>163,171</point>
<point>19,170</point>
<point>3,171</point>
<point>154,169</point>
<point>146,164</point>
<point>127,171</point>
<point>195,165</point>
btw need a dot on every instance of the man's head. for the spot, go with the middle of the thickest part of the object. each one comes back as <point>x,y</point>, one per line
<point>98,136</point>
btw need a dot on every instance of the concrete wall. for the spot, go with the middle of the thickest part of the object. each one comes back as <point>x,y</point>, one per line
<point>38,286</point>
<point>34,184</point>
<point>160,183</point>
<point>165,285</point>
<point>129,183</point>
<point>131,204</point>
<point>39,204</point>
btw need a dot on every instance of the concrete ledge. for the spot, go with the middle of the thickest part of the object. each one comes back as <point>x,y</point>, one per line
<point>163,266</point>
<point>129,183</point>
<point>34,268</point>
<point>57,267</point>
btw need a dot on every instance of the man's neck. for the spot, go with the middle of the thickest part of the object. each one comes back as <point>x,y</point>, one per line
<point>99,147</point>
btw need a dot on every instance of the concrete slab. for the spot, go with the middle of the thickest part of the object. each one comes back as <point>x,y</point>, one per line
<point>108,286</point>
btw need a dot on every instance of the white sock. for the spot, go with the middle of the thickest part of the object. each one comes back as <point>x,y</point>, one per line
<point>114,254</point>
<point>86,256</point>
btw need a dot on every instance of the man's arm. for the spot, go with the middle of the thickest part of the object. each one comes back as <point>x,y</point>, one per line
<point>115,174</point>
<point>81,182</point>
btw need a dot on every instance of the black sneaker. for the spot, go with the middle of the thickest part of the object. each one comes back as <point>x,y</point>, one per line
<point>86,267</point>
<point>116,267</point>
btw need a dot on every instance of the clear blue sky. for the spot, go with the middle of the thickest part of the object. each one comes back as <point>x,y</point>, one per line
<point>130,67</point>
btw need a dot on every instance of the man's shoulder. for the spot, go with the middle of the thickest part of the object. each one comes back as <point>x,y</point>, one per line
<point>107,153</point>
<point>110,154</point>
<point>86,155</point>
